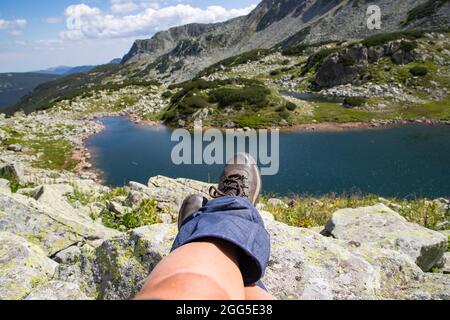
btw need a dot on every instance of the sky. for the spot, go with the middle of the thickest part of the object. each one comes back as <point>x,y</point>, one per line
<point>36,35</point>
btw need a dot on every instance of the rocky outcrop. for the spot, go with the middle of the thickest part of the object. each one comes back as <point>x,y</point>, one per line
<point>23,266</point>
<point>57,290</point>
<point>43,224</point>
<point>181,52</point>
<point>380,226</point>
<point>48,253</point>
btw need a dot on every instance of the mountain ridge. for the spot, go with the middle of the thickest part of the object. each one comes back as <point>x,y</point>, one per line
<point>272,22</point>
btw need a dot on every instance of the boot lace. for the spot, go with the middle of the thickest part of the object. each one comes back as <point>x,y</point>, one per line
<point>233,185</point>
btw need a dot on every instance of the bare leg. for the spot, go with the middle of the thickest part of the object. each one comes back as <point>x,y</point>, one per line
<point>206,270</point>
<point>256,293</point>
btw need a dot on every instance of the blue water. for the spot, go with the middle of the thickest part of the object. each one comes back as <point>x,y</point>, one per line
<point>404,161</point>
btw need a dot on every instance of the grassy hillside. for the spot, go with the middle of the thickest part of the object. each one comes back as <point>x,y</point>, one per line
<point>13,86</point>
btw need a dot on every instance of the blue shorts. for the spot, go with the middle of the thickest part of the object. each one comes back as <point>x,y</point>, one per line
<point>236,220</point>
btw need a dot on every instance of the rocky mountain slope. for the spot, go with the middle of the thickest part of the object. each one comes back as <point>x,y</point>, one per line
<point>51,248</point>
<point>184,52</point>
<point>181,52</point>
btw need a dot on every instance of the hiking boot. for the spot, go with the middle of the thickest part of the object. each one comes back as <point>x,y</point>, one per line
<point>190,206</point>
<point>240,178</point>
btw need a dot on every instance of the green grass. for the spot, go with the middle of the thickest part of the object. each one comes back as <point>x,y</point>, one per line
<point>308,212</point>
<point>145,214</point>
<point>435,110</point>
<point>334,112</point>
<point>55,154</point>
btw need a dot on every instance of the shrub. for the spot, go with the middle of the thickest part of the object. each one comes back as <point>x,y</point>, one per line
<point>291,106</point>
<point>408,46</point>
<point>346,60</point>
<point>383,38</point>
<point>418,71</point>
<point>275,72</point>
<point>191,104</point>
<point>145,214</point>
<point>285,114</point>
<point>354,101</point>
<point>253,96</point>
<point>280,109</point>
<point>166,95</point>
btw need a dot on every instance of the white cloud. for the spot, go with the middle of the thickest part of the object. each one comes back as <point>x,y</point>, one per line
<point>14,27</point>
<point>85,22</point>
<point>120,6</point>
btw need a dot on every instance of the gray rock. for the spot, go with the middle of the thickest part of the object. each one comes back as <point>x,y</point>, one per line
<point>166,218</point>
<point>12,171</point>
<point>15,147</point>
<point>54,196</point>
<point>306,265</point>
<point>433,286</point>
<point>69,255</point>
<point>57,290</point>
<point>170,193</point>
<point>135,198</point>
<point>446,266</point>
<point>116,208</point>
<point>403,57</point>
<point>82,271</point>
<point>136,186</point>
<point>381,226</point>
<point>52,229</point>
<point>34,193</point>
<point>23,266</point>
<point>4,184</point>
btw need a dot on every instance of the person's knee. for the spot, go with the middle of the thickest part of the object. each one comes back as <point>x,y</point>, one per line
<point>185,284</point>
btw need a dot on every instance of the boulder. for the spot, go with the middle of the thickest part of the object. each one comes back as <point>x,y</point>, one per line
<point>379,225</point>
<point>12,172</point>
<point>432,286</point>
<point>81,270</point>
<point>306,265</point>
<point>4,184</point>
<point>52,229</point>
<point>135,198</point>
<point>54,196</point>
<point>332,73</point>
<point>403,57</point>
<point>446,266</point>
<point>15,148</point>
<point>116,208</point>
<point>69,255</point>
<point>34,193</point>
<point>23,266</point>
<point>57,290</point>
<point>136,186</point>
<point>170,193</point>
